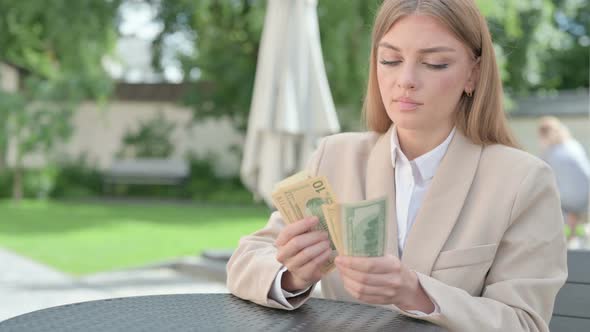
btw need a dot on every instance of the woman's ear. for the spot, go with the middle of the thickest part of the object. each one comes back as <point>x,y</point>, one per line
<point>473,76</point>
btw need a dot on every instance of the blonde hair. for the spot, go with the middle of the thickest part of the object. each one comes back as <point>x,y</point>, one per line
<point>553,131</point>
<point>481,117</point>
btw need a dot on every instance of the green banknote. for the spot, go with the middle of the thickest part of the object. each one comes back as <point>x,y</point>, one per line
<point>363,226</point>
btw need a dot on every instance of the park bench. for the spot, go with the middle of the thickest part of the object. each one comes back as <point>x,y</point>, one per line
<point>572,306</point>
<point>146,172</point>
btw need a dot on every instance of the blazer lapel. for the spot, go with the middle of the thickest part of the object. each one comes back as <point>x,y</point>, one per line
<point>380,182</point>
<point>442,204</point>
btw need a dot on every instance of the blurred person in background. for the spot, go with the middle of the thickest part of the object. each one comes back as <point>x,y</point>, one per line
<point>569,161</point>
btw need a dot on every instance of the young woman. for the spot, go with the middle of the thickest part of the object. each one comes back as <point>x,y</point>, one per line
<point>475,238</point>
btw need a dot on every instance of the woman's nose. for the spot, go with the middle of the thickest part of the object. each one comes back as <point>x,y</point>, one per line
<point>407,78</point>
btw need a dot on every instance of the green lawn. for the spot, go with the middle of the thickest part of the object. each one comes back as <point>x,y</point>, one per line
<point>86,238</point>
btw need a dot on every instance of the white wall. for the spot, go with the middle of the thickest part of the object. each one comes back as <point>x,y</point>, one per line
<point>99,133</point>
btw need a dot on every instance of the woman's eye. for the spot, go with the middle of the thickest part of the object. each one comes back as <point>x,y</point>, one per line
<point>436,67</point>
<point>389,63</point>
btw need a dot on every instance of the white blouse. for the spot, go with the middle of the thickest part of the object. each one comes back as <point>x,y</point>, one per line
<point>412,181</point>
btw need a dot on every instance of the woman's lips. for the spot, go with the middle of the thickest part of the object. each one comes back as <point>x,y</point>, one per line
<point>407,106</point>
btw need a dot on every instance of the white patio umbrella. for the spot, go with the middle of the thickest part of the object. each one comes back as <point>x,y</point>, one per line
<point>291,105</point>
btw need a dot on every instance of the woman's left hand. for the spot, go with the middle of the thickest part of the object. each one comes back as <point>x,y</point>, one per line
<point>383,280</point>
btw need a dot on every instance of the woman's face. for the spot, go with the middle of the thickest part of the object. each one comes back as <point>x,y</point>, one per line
<point>422,70</point>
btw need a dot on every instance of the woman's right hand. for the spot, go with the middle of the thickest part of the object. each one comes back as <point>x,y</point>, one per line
<point>303,253</point>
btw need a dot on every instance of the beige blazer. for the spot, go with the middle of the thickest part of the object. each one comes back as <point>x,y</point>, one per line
<point>487,244</point>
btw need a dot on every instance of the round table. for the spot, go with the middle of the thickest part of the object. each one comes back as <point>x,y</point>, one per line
<point>211,312</point>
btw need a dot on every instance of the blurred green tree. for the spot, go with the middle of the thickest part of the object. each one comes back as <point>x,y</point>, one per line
<point>569,67</point>
<point>59,45</point>
<point>540,43</point>
<point>152,139</point>
<point>225,35</point>
<point>345,31</point>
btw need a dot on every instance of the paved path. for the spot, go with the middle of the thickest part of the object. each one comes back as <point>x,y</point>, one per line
<point>26,286</point>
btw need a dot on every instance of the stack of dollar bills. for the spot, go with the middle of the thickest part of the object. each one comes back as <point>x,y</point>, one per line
<point>355,229</point>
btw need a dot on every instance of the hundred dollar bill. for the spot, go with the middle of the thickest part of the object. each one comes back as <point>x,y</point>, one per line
<point>364,227</point>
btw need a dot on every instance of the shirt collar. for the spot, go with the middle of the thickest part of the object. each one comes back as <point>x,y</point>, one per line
<point>427,163</point>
